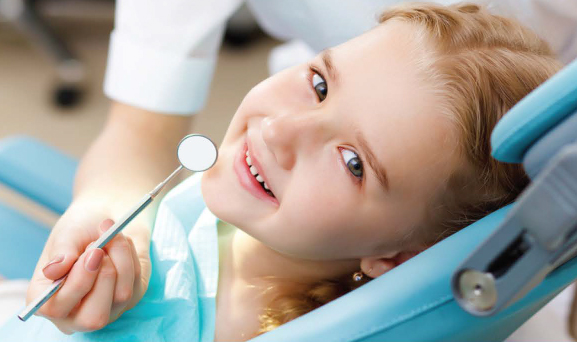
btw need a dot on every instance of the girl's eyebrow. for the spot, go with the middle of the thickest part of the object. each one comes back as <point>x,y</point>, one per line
<point>327,59</point>
<point>379,170</point>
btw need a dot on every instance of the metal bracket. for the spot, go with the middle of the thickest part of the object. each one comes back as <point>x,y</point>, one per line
<point>537,236</point>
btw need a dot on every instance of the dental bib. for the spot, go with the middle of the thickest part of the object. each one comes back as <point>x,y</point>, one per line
<point>180,303</point>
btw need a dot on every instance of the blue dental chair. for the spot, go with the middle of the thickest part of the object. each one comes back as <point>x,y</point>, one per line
<point>413,302</point>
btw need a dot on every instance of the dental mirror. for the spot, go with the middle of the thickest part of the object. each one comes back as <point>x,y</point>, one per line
<point>197,152</point>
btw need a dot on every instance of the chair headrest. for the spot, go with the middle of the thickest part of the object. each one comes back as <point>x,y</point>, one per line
<point>535,115</point>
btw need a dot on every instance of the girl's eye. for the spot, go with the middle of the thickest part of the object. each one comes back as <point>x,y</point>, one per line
<point>320,86</point>
<point>353,162</point>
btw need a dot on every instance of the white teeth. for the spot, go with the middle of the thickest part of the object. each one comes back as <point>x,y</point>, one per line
<point>254,172</point>
<point>246,153</point>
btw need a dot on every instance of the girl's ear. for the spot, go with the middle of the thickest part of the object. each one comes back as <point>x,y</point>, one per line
<point>379,265</point>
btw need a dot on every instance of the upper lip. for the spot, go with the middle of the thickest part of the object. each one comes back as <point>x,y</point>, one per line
<point>254,156</point>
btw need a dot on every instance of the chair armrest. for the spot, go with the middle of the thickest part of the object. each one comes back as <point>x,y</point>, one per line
<point>37,171</point>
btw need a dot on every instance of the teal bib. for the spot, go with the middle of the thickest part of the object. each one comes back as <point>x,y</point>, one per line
<point>180,303</point>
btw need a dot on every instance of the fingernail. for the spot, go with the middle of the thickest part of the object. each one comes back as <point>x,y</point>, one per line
<point>93,260</point>
<point>106,224</point>
<point>58,259</point>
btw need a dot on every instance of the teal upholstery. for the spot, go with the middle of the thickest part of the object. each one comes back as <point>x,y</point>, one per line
<point>535,115</point>
<point>37,171</point>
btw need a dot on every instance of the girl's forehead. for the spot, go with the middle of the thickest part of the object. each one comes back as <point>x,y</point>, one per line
<point>393,39</point>
<point>381,67</point>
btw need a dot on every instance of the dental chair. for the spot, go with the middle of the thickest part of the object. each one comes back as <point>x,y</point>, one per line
<point>413,302</point>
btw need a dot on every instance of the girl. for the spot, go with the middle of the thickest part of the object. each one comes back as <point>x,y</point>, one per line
<point>334,172</point>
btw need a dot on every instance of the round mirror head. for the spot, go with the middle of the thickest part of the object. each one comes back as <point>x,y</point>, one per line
<point>197,152</point>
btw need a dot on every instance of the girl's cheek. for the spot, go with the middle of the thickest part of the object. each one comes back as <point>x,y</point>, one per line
<point>289,90</point>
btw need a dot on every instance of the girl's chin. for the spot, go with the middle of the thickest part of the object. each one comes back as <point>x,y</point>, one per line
<point>219,201</point>
<point>210,189</point>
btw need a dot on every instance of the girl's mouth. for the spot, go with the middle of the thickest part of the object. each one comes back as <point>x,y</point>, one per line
<point>256,175</point>
<point>249,177</point>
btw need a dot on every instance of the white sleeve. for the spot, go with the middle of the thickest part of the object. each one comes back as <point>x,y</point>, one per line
<point>162,53</point>
<point>553,20</point>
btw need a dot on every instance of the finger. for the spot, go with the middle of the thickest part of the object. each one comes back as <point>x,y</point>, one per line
<point>118,249</point>
<point>137,289</point>
<point>135,259</point>
<point>78,283</point>
<point>64,247</point>
<point>94,312</point>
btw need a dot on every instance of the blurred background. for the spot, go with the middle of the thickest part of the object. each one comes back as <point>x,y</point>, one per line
<point>62,103</point>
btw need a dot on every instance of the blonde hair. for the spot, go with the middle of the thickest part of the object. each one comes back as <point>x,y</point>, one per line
<point>481,65</point>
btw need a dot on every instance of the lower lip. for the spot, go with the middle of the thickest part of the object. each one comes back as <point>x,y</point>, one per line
<point>247,180</point>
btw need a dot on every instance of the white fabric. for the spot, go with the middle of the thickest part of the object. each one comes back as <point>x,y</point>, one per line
<point>548,324</point>
<point>162,53</point>
<point>286,55</point>
<point>12,298</point>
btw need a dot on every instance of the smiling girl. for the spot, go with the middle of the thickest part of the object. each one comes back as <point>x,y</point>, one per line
<point>367,155</point>
<point>334,172</point>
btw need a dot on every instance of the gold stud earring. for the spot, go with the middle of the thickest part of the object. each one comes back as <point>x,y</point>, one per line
<point>358,276</point>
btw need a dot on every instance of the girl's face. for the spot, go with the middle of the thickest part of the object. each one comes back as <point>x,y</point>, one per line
<point>353,147</point>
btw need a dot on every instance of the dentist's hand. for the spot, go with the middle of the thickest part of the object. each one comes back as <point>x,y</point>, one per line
<point>101,284</point>
<point>134,152</point>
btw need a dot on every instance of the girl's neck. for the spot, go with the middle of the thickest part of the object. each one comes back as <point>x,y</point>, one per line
<point>252,274</point>
<point>237,305</point>
<point>255,263</point>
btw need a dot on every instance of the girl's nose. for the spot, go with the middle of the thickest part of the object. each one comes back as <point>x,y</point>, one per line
<point>287,134</point>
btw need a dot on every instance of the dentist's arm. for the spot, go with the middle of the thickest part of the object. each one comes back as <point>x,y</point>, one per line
<point>161,58</point>
<point>135,151</point>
